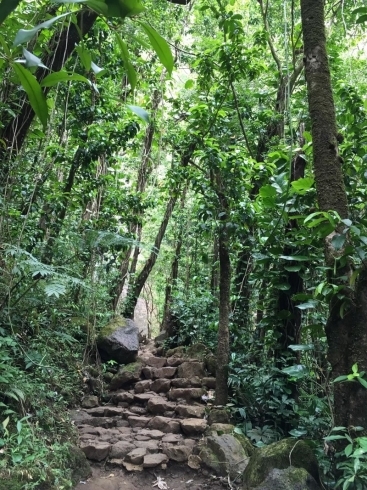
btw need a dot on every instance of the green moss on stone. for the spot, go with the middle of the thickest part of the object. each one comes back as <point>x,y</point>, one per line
<point>114,324</point>
<point>281,455</point>
<point>245,443</point>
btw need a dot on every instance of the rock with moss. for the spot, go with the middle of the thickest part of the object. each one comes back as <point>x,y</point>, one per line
<point>279,455</point>
<point>197,351</point>
<point>80,469</point>
<point>289,479</point>
<point>225,455</point>
<point>130,373</point>
<point>119,341</point>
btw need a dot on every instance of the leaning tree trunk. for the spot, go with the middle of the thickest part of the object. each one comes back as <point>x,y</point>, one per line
<point>137,284</point>
<point>346,333</point>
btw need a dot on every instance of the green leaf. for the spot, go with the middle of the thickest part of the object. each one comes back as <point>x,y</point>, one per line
<point>5,422</point>
<point>23,35</point>
<point>338,241</point>
<point>189,84</point>
<point>308,305</point>
<point>124,8</point>
<point>98,6</point>
<point>85,57</point>
<point>140,112</point>
<point>55,289</point>
<point>301,186</point>
<point>32,60</point>
<point>340,378</point>
<point>363,382</point>
<point>34,92</point>
<point>160,46</point>
<point>7,7</point>
<point>130,70</point>
<point>267,191</point>
<point>334,438</point>
<point>355,368</point>
<point>96,69</point>
<point>62,76</point>
<point>300,258</point>
<point>362,19</point>
<point>297,371</point>
<point>301,347</point>
<point>348,450</point>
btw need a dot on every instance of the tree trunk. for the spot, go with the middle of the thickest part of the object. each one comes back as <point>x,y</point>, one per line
<point>60,48</point>
<point>346,333</point>
<point>137,285</point>
<point>221,392</point>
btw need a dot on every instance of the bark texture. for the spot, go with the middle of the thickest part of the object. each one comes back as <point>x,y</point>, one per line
<point>346,332</point>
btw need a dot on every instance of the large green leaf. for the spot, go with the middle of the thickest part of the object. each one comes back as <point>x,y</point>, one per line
<point>160,46</point>
<point>34,92</point>
<point>140,112</point>
<point>130,70</point>
<point>24,35</point>
<point>63,76</point>
<point>124,8</point>
<point>7,7</point>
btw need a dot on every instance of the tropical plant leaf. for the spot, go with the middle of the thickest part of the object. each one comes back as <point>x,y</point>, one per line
<point>55,289</point>
<point>160,46</point>
<point>32,60</point>
<point>63,76</point>
<point>140,112</point>
<point>130,70</point>
<point>34,92</point>
<point>24,35</point>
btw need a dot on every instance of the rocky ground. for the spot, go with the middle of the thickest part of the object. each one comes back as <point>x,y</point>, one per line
<point>156,427</point>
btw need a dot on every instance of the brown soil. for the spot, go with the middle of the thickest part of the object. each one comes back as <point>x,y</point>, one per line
<point>176,477</point>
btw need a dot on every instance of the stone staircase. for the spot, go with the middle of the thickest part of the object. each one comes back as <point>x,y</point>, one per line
<point>153,413</point>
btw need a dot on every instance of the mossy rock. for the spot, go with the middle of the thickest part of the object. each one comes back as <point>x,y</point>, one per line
<point>130,373</point>
<point>225,455</point>
<point>245,443</point>
<point>211,363</point>
<point>79,465</point>
<point>197,351</point>
<point>219,429</point>
<point>176,352</point>
<point>119,341</point>
<point>279,455</point>
<point>290,478</point>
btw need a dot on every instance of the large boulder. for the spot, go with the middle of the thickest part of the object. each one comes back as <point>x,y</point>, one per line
<point>289,479</point>
<point>119,341</point>
<point>279,455</point>
<point>225,455</point>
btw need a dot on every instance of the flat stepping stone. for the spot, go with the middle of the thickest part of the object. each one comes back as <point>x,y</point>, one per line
<point>121,449</point>
<point>123,396</point>
<point>90,401</point>
<point>158,405</point>
<point>132,467</point>
<point>141,438</point>
<point>164,372</point>
<point>164,424</point>
<point>186,393</point>
<point>161,385</point>
<point>152,434</point>
<point>96,451</point>
<point>136,421</point>
<point>210,383</point>
<point>181,383</point>
<point>191,369</point>
<point>143,397</point>
<point>114,411</point>
<point>138,410</point>
<point>172,438</point>
<point>153,460</point>
<point>150,446</point>
<point>190,411</point>
<point>142,386</point>
<point>193,427</point>
<point>175,361</point>
<point>136,456</point>
<point>157,362</point>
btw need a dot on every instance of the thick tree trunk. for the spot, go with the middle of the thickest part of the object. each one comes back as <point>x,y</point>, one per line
<point>221,392</point>
<point>346,333</point>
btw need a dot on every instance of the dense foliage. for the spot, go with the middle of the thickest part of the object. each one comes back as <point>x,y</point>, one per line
<point>166,151</point>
